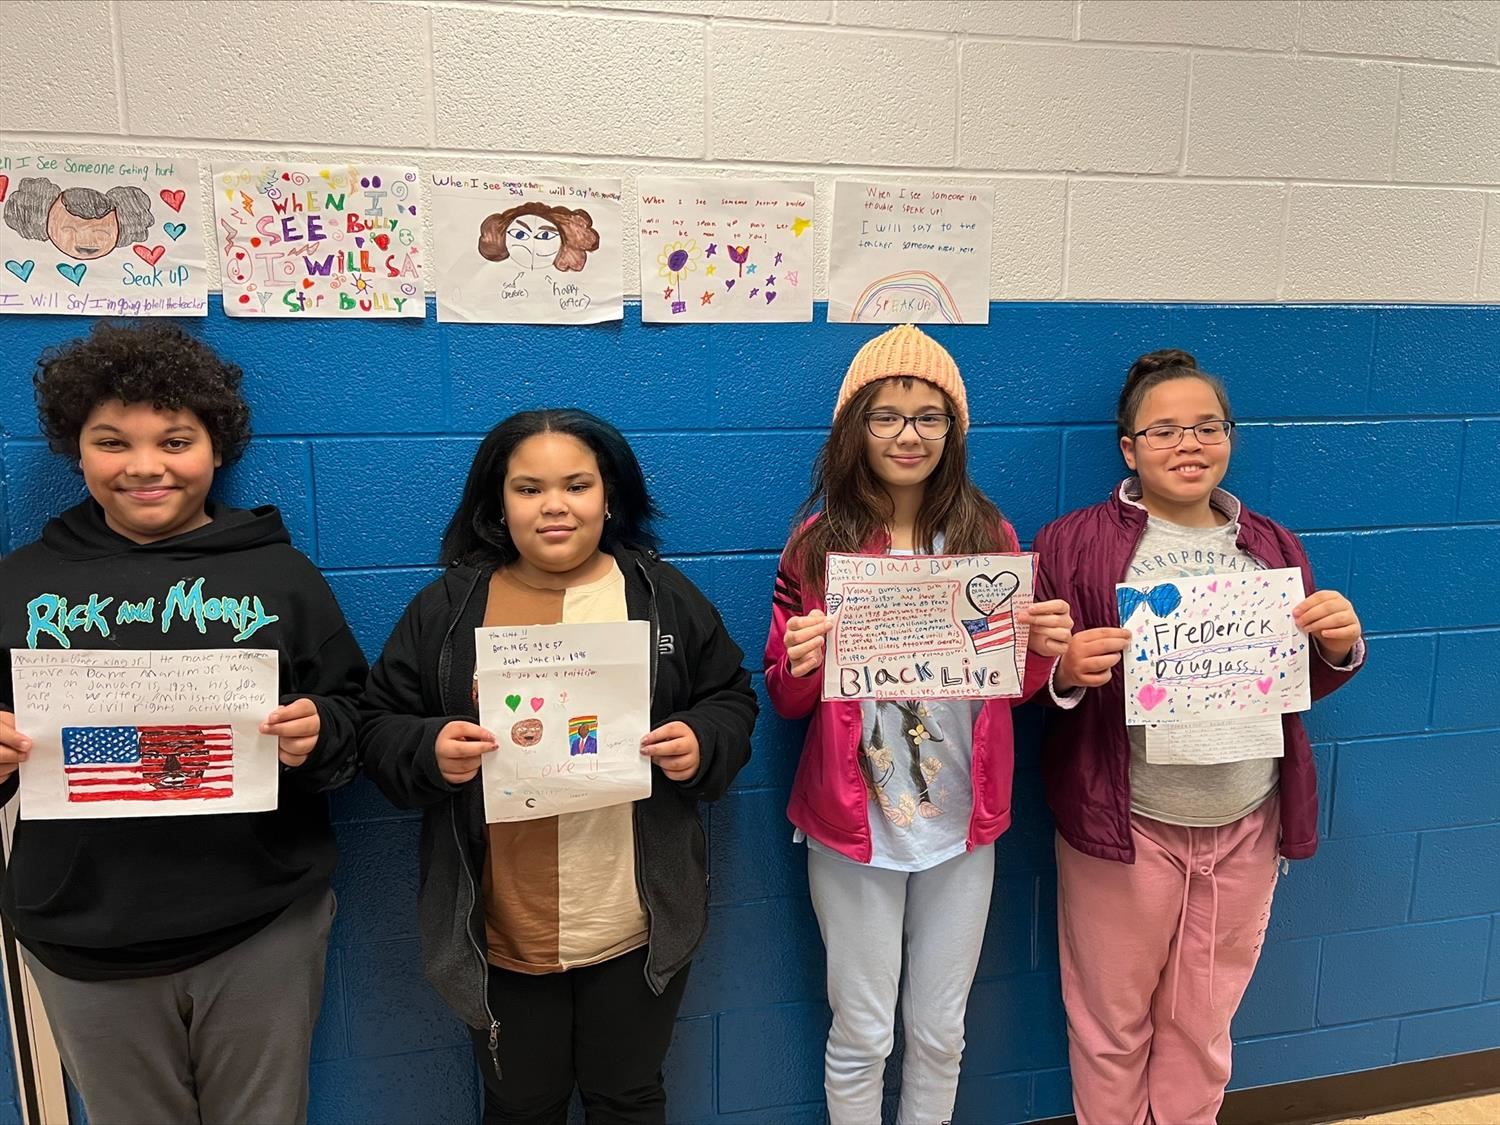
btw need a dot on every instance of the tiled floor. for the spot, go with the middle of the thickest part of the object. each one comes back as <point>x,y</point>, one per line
<point>1466,1111</point>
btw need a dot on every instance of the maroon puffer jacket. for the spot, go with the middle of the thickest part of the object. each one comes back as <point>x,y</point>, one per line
<point>1086,750</point>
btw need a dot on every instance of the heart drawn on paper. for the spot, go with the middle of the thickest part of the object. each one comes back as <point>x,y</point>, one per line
<point>832,602</point>
<point>513,701</point>
<point>1213,587</point>
<point>174,230</point>
<point>1265,685</point>
<point>173,199</point>
<point>1150,695</point>
<point>4,187</point>
<point>149,254</point>
<point>358,241</point>
<point>21,269</point>
<point>383,241</point>
<point>72,273</point>
<point>537,702</point>
<point>1141,657</point>
<point>988,592</point>
<point>729,284</point>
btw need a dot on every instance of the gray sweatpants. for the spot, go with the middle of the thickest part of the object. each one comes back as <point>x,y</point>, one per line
<point>889,931</point>
<point>225,1042</point>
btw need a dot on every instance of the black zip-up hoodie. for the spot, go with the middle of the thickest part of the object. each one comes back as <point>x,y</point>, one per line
<point>423,680</point>
<point>103,895</point>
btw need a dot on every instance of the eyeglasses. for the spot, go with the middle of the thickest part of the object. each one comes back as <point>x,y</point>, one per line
<point>889,424</point>
<point>1215,432</point>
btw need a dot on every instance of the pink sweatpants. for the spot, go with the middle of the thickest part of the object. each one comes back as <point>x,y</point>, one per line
<point>1156,956</point>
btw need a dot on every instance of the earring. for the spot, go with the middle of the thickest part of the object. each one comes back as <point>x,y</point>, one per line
<point>502,521</point>
<point>606,513</point>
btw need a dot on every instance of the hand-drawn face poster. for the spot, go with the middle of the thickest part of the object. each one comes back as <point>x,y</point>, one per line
<point>715,251</point>
<point>1220,646</point>
<point>120,732</point>
<point>309,240</point>
<point>527,251</point>
<point>926,626</point>
<point>910,253</point>
<point>98,235</point>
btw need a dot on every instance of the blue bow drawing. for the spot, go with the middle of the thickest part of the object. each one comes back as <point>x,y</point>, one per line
<point>1162,599</point>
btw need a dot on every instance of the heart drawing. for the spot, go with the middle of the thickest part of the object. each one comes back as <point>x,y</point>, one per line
<point>72,273</point>
<point>4,187</point>
<point>537,702</point>
<point>21,269</point>
<point>988,592</point>
<point>174,199</point>
<point>832,602</point>
<point>513,701</point>
<point>1150,695</point>
<point>1265,685</point>
<point>174,230</point>
<point>149,254</point>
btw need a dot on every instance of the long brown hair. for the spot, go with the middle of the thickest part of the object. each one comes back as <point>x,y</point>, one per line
<point>852,507</point>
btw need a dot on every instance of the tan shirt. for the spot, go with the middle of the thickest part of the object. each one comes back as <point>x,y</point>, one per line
<point>560,892</point>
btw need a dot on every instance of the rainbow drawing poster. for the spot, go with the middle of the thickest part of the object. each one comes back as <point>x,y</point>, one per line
<point>904,253</point>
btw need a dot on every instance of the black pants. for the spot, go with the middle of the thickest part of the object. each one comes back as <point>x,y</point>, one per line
<point>600,1028</point>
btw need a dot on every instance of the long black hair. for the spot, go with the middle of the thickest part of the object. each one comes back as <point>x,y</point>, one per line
<point>477,535</point>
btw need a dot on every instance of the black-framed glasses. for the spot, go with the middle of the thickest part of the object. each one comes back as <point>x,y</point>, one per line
<point>1216,431</point>
<point>889,424</point>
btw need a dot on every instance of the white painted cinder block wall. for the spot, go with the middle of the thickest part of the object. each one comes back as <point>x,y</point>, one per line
<point>1236,150</point>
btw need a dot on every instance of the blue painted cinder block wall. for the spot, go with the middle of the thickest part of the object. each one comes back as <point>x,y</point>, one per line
<point>1375,432</point>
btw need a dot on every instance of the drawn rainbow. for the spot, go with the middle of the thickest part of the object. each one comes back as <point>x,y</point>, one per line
<point>908,283</point>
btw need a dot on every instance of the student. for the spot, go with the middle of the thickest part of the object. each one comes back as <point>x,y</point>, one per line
<point>179,958</point>
<point>899,802</point>
<point>1165,872</point>
<point>564,942</point>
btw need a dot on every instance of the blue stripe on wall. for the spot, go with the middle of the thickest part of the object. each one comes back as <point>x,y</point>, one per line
<point>1375,431</point>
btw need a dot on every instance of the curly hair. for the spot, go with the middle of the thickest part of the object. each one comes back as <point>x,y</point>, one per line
<point>155,362</point>
<point>34,198</point>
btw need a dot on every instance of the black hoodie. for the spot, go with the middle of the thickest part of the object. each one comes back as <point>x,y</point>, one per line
<point>139,896</point>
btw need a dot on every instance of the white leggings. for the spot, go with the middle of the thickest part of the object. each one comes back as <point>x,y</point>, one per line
<point>868,917</point>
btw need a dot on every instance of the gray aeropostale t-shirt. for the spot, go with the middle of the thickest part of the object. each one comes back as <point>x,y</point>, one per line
<point>1210,795</point>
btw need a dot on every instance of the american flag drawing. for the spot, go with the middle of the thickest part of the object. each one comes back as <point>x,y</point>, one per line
<point>993,631</point>
<point>162,763</point>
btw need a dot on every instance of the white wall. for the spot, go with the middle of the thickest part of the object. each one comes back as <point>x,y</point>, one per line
<point>1301,150</point>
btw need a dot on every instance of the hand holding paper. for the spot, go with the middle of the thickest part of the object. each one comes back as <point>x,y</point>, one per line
<point>804,642</point>
<point>295,728</point>
<point>1051,626</point>
<point>15,747</point>
<point>1091,656</point>
<point>674,747</point>
<point>1328,617</point>
<point>459,750</point>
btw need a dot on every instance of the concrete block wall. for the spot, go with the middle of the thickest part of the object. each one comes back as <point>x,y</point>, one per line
<point>1371,431</point>
<point>1215,150</point>
<point>1307,159</point>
